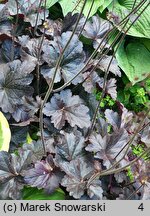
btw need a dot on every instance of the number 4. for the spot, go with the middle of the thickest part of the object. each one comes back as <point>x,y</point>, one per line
<point>141,207</point>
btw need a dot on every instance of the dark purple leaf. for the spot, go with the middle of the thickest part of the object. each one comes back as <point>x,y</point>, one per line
<point>145,136</point>
<point>96,29</point>
<point>126,192</point>
<point>4,14</point>
<point>110,87</point>
<point>120,177</point>
<point>117,121</point>
<point>37,148</point>
<point>108,147</point>
<point>95,189</point>
<point>11,173</point>
<point>29,9</point>
<point>70,21</point>
<point>113,118</point>
<point>7,48</point>
<point>113,67</point>
<point>72,62</point>
<point>69,146</point>
<point>19,135</point>
<point>26,111</point>
<point>90,81</point>
<point>6,28</point>
<point>146,192</point>
<point>65,107</point>
<point>32,47</point>
<point>141,171</point>
<point>77,172</point>
<point>51,27</point>
<point>44,175</point>
<point>15,78</point>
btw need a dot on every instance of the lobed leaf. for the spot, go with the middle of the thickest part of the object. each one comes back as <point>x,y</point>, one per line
<point>65,107</point>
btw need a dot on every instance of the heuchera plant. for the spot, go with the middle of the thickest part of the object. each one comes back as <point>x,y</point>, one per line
<point>62,137</point>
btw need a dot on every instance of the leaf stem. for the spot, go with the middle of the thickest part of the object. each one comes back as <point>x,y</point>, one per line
<point>49,91</point>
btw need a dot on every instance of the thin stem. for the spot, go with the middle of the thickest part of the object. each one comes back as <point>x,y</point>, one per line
<point>114,171</point>
<point>49,91</point>
<point>39,54</point>
<point>107,71</point>
<point>87,17</point>
<point>14,32</point>
<point>95,52</point>
<point>137,190</point>
<point>133,137</point>
<point>35,28</point>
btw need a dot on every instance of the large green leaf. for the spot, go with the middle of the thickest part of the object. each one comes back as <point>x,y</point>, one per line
<point>5,133</point>
<point>104,5</point>
<point>50,3</point>
<point>134,60</point>
<point>75,6</point>
<point>36,194</point>
<point>121,8</point>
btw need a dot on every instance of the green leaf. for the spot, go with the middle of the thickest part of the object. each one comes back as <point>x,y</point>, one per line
<point>29,139</point>
<point>134,60</point>
<point>30,193</point>
<point>104,5</point>
<point>146,42</point>
<point>5,133</point>
<point>76,5</point>
<point>50,3</point>
<point>121,8</point>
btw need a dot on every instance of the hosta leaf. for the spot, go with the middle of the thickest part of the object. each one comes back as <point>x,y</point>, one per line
<point>104,5</point>
<point>29,9</point>
<point>76,175</point>
<point>36,194</point>
<point>70,145</point>
<point>129,59</point>
<point>96,29</point>
<point>43,175</point>
<point>15,78</point>
<point>50,3</point>
<point>65,107</point>
<point>119,9</point>
<point>107,147</point>
<point>76,5</point>
<point>72,62</point>
<point>5,133</point>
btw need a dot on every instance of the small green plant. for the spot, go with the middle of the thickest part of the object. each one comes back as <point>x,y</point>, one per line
<point>107,101</point>
<point>130,174</point>
<point>138,150</point>
<point>135,97</point>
